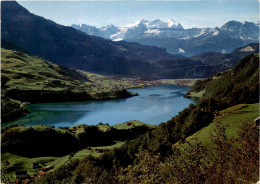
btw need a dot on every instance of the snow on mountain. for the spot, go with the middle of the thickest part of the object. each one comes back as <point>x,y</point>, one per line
<point>173,24</point>
<point>247,49</point>
<point>170,28</point>
<point>158,24</point>
<point>119,35</point>
<point>109,30</point>
<point>141,27</point>
<point>137,24</point>
<point>90,30</point>
<point>155,24</point>
<point>244,30</point>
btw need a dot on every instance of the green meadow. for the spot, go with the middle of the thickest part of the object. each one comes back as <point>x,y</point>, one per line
<point>232,118</point>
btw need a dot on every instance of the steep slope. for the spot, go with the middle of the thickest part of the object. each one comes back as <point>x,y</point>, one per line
<point>242,52</point>
<point>31,79</point>
<point>203,65</point>
<point>186,68</point>
<point>240,84</point>
<point>227,60</point>
<point>22,76</point>
<point>22,71</point>
<point>72,48</point>
<point>215,58</point>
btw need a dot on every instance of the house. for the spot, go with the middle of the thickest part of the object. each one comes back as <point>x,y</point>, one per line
<point>42,173</point>
<point>21,174</point>
<point>105,149</point>
<point>17,181</point>
<point>44,169</point>
<point>27,181</point>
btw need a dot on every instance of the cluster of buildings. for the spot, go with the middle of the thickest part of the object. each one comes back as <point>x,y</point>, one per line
<point>22,177</point>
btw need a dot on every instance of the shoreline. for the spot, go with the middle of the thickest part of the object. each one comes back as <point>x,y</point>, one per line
<point>52,96</point>
<point>17,100</point>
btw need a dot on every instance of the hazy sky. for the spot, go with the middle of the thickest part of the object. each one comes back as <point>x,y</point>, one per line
<point>195,13</point>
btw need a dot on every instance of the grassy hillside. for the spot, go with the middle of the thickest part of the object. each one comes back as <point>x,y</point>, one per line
<point>233,118</point>
<point>12,109</point>
<point>26,78</point>
<point>225,151</point>
<point>44,158</point>
<point>240,83</point>
<point>157,157</point>
<point>24,72</point>
<point>230,155</point>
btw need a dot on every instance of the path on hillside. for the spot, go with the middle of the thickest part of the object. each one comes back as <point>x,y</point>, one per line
<point>53,163</point>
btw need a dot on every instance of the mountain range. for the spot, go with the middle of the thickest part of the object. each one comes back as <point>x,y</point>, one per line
<point>202,65</point>
<point>72,48</point>
<point>177,40</point>
<point>69,47</point>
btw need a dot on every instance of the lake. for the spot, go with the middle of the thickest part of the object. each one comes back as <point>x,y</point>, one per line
<point>155,104</point>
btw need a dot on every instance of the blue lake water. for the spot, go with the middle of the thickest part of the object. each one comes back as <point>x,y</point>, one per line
<point>154,105</point>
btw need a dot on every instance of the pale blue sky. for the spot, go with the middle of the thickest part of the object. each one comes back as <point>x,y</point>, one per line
<point>195,13</point>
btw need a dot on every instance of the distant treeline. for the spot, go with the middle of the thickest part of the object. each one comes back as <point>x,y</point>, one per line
<point>39,96</point>
<point>46,141</point>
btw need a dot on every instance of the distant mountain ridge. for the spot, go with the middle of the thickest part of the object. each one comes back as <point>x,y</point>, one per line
<point>129,31</point>
<point>227,60</point>
<point>177,40</point>
<point>203,65</point>
<point>71,48</point>
<point>66,46</point>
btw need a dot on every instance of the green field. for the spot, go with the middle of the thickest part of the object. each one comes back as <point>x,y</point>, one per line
<point>180,82</point>
<point>196,94</point>
<point>24,72</point>
<point>25,163</point>
<point>84,152</point>
<point>133,123</point>
<point>232,118</point>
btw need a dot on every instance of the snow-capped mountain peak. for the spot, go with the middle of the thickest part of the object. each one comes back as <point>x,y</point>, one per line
<point>167,24</point>
<point>158,24</point>
<point>137,23</point>
<point>172,29</point>
<point>172,24</point>
<point>155,24</point>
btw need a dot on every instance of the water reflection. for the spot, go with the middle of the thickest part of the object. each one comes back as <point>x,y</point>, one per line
<point>154,105</point>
